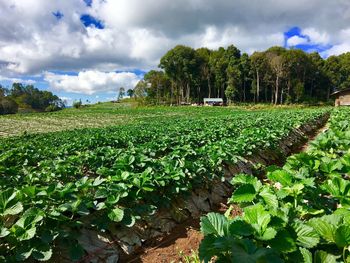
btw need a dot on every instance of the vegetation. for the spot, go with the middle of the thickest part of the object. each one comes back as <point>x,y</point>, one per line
<point>276,76</point>
<point>299,214</point>
<point>77,104</point>
<point>53,185</point>
<point>27,98</point>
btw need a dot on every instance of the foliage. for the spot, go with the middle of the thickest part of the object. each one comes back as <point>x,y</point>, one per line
<point>55,184</point>
<point>8,106</point>
<point>276,76</point>
<point>299,214</point>
<point>30,97</point>
<point>121,93</point>
<point>77,104</point>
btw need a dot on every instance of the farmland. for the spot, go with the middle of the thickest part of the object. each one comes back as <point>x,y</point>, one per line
<point>94,116</point>
<point>101,115</point>
<point>300,213</point>
<point>51,184</point>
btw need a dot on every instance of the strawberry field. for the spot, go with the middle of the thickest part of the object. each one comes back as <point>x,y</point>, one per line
<point>299,213</point>
<point>51,184</point>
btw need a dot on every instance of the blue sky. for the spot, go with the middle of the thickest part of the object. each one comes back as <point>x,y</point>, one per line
<point>305,42</point>
<point>88,49</point>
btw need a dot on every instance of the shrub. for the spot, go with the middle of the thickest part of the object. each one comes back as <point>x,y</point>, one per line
<point>52,107</point>
<point>8,106</point>
<point>77,104</point>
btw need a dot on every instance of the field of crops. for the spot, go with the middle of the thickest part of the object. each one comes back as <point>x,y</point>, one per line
<point>51,183</point>
<point>300,213</point>
<point>96,116</point>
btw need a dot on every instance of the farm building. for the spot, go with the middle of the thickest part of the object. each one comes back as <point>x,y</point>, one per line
<point>342,97</point>
<point>213,102</point>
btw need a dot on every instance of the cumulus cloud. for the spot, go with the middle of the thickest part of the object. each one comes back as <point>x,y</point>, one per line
<point>90,82</point>
<point>17,80</point>
<point>296,40</point>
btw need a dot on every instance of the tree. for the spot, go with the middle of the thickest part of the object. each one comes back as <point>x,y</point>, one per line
<point>121,93</point>
<point>157,86</point>
<point>277,63</point>
<point>259,69</point>
<point>77,104</point>
<point>277,75</point>
<point>29,97</point>
<point>182,65</point>
<point>233,82</point>
<point>245,69</point>
<point>130,93</point>
<point>206,74</point>
<point>8,106</point>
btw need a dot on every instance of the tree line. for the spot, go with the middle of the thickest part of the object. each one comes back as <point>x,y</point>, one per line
<point>277,76</point>
<point>27,98</point>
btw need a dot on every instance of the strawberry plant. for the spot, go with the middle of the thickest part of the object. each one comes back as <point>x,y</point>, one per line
<point>300,213</point>
<point>53,185</point>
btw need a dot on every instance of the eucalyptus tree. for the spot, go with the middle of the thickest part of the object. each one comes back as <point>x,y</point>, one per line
<point>205,71</point>
<point>259,67</point>
<point>182,66</point>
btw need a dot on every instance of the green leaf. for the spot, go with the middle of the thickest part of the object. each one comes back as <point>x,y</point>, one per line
<point>98,181</point>
<point>4,232</point>
<point>245,251</point>
<point>76,252</point>
<point>325,229</point>
<point>14,209</point>
<point>342,236</point>
<point>244,179</point>
<point>238,227</point>
<point>268,234</point>
<point>244,193</point>
<point>269,197</point>
<point>116,215</point>
<point>281,177</point>
<point>207,249</point>
<point>23,252</point>
<point>283,242</point>
<point>306,235</point>
<point>257,216</point>
<point>214,224</point>
<point>324,257</point>
<point>307,256</point>
<point>42,252</point>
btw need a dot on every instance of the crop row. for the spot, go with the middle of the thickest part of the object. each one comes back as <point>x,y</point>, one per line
<point>300,213</point>
<point>51,183</point>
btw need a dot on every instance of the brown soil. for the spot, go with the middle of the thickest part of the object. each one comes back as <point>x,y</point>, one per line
<point>312,137</point>
<point>183,240</point>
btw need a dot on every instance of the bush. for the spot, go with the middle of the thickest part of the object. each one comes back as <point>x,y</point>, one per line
<point>77,104</point>
<point>8,106</point>
<point>52,107</point>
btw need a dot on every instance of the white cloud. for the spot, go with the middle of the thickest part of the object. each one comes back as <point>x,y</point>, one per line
<point>68,99</point>
<point>296,40</point>
<point>316,36</point>
<point>90,82</point>
<point>337,50</point>
<point>18,80</point>
<point>137,33</point>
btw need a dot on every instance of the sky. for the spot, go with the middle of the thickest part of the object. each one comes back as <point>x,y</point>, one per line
<point>88,49</point>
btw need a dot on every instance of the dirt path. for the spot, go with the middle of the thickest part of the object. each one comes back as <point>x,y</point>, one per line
<point>181,241</point>
<point>312,137</point>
